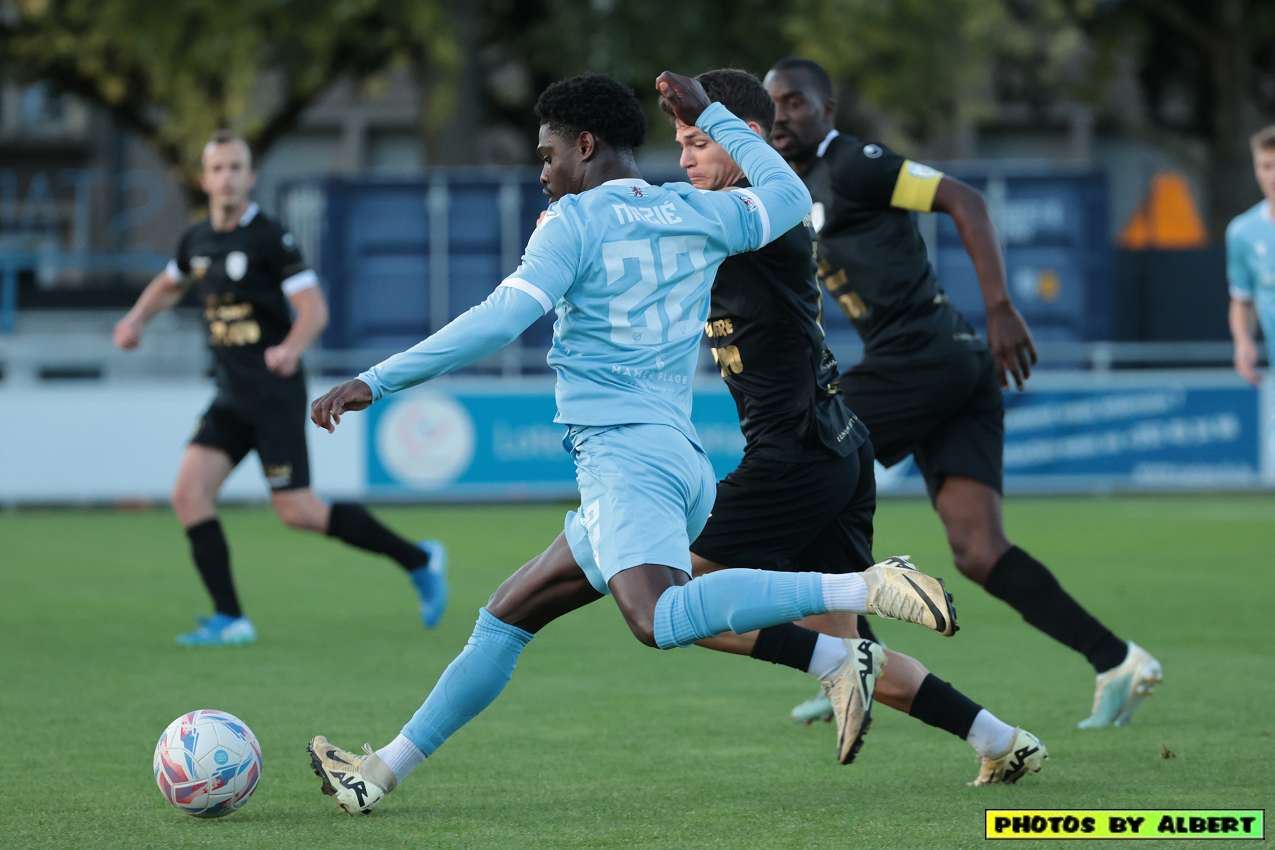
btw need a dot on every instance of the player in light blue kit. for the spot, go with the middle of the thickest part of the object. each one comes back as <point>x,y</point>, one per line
<point>628,267</point>
<point>1250,262</point>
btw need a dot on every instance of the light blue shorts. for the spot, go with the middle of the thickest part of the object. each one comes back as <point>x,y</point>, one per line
<point>645,493</point>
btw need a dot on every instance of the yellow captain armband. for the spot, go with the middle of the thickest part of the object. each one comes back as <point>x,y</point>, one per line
<point>915,187</point>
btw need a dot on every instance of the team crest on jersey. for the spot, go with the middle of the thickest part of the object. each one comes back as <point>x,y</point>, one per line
<point>288,241</point>
<point>637,192</point>
<point>236,265</point>
<point>199,266</point>
<point>872,151</point>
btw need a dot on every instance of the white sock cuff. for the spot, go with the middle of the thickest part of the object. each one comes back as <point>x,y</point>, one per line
<point>990,736</point>
<point>846,593</point>
<point>828,655</point>
<point>401,756</point>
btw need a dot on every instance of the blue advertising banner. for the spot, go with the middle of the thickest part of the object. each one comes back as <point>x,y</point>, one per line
<point>1080,432</point>
<point>1143,431</point>
<point>498,440</point>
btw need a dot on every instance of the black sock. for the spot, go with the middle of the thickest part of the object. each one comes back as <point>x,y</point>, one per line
<point>351,523</point>
<point>939,704</point>
<point>1031,590</point>
<point>787,644</point>
<point>212,559</point>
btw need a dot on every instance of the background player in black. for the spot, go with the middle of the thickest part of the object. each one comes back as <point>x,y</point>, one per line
<point>928,385</point>
<point>804,494</point>
<point>250,276</point>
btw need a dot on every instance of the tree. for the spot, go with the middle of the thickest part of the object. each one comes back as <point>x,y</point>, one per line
<point>917,73</point>
<point>536,42</point>
<point>1206,71</point>
<point>175,72</point>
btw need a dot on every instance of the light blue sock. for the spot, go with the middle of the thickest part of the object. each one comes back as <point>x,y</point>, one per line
<point>734,601</point>
<point>469,684</point>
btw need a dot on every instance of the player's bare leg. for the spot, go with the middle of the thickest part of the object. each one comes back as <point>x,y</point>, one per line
<point>300,509</point>
<point>971,515</point>
<point>200,476</point>
<point>425,562</point>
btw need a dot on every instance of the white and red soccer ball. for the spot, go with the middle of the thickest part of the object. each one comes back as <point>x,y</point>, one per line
<point>207,763</point>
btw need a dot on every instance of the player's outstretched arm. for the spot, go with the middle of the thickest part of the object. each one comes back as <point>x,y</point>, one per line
<point>784,199</point>
<point>478,332</point>
<point>162,293</point>
<point>1007,335</point>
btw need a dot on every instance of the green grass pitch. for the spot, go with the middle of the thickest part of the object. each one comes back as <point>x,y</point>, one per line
<point>598,741</point>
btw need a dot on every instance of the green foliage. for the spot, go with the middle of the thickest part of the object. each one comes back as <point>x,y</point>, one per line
<point>923,67</point>
<point>174,72</point>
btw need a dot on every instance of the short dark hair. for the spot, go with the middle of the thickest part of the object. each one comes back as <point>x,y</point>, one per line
<point>597,104</point>
<point>740,92</point>
<point>1263,139</point>
<point>823,83</point>
<point>226,136</point>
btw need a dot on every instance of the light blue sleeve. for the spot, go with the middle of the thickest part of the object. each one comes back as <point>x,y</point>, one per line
<point>1239,274</point>
<point>481,330</point>
<point>547,271</point>
<point>552,260</point>
<point>777,200</point>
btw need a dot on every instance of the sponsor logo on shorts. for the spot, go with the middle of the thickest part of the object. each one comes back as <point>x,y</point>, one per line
<point>279,475</point>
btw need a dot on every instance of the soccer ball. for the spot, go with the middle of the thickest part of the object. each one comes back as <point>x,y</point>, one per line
<point>207,763</point>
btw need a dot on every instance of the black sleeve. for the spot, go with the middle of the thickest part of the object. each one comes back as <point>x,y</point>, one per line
<point>285,254</point>
<point>866,174</point>
<point>182,258</point>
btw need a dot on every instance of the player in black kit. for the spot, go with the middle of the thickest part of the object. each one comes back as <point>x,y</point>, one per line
<point>249,276</point>
<point>804,495</point>
<point>928,385</point>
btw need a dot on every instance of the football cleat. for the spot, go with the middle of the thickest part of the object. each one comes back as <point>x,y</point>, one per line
<point>220,630</point>
<point>849,689</point>
<point>1122,688</point>
<point>430,582</point>
<point>816,708</point>
<point>357,782</point>
<point>897,590</point>
<point>1025,755</point>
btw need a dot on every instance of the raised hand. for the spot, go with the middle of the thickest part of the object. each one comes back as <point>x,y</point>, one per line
<point>684,95</point>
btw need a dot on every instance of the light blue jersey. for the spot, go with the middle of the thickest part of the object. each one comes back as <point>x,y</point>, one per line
<point>628,268</point>
<point>1250,263</point>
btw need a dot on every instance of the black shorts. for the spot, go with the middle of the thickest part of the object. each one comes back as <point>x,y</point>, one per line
<point>275,429</point>
<point>949,414</point>
<point>778,515</point>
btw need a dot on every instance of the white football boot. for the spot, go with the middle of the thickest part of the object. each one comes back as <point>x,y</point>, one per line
<point>357,782</point>
<point>849,690</point>
<point>899,591</point>
<point>1122,688</point>
<point>1025,755</point>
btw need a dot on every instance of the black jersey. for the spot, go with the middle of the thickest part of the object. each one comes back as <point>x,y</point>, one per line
<point>764,330</point>
<point>243,278</point>
<point>872,258</point>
